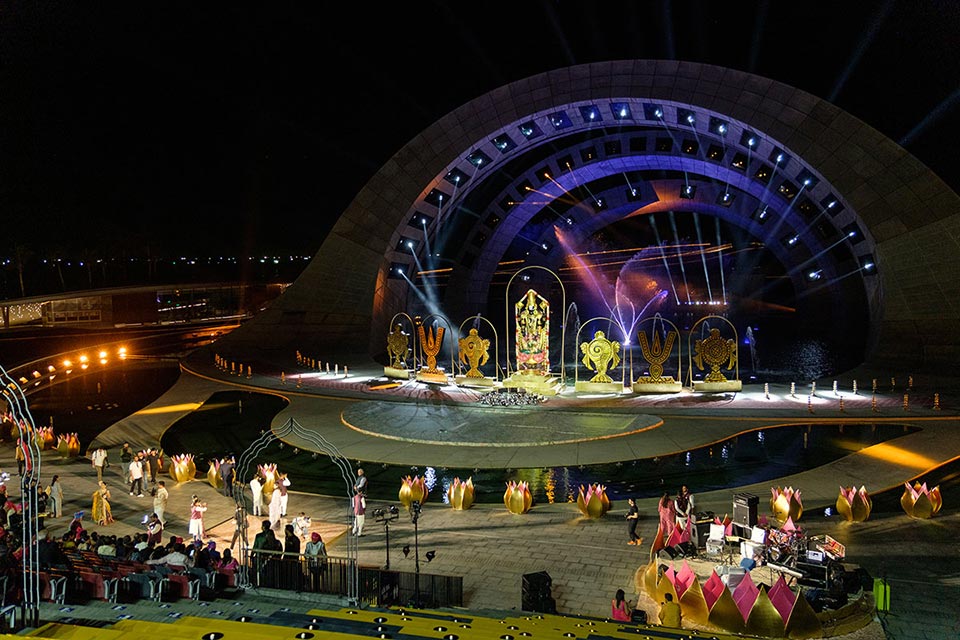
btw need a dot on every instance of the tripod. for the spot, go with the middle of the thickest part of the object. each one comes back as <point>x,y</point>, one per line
<point>385,517</point>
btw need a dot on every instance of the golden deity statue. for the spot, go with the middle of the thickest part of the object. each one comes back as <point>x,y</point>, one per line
<point>474,350</point>
<point>430,344</point>
<point>533,333</point>
<point>398,345</point>
<point>716,352</point>
<point>599,354</point>
<point>656,354</point>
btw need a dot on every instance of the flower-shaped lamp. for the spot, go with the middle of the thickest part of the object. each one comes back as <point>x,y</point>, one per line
<point>460,494</point>
<point>593,501</point>
<point>853,504</point>
<point>182,467</point>
<point>413,489</point>
<point>785,504</point>
<point>213,475</point>
<point>517,497</point>
<point>919,502</point>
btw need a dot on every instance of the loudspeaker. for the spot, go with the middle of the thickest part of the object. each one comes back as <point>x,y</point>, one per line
<point>535,593</point>
<point>745,509</point>
<point>700,532</point>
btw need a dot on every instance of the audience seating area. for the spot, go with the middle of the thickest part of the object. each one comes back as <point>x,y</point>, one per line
<point>350,624</point>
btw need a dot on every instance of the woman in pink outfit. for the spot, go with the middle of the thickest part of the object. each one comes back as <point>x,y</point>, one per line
<point>668,517</point>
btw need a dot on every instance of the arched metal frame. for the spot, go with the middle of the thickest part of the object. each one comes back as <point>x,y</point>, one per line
<point>563,324</point>
<point>319,444</point>
<point>658,318</point>
<point>623,338</point>
<point>29,483</point>
<point>446,321</point>
<point>693,330</point>
<point>413,333</point>
<point>496,343</point>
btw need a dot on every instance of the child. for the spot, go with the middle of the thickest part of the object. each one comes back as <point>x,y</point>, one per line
<point>301,525</point>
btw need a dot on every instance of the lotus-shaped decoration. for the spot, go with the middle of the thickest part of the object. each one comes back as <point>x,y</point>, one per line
<point>593,501</point>
<point>785,504</point>
<point>182,467</point>
<point>68,446</point>
<point>854,505</point>
<point>517,498</point>
<point>44,438</point>
<point>413,489</point>
<point>460,494</point>
<point>268,472</point>
<point>919,502</point>
<point>213,475</point>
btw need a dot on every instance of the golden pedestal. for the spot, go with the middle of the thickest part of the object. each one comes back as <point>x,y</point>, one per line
<point>545,385</point>
<point>480,383</point>
<point>399,374</point>
<point>436,377</point>
<point>585,386</point>
<point>657,387</point>
<point>717,387</point>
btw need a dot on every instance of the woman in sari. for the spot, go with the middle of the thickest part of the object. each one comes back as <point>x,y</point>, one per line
<point>101,505</point>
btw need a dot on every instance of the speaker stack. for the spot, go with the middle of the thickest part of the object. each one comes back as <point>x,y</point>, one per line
<point>745,509</point>
<point>535,593</point>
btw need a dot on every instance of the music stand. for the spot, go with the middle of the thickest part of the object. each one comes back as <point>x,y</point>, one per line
<point>729,544</point>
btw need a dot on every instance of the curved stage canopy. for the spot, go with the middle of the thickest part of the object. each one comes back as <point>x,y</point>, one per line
<point>703,189</point>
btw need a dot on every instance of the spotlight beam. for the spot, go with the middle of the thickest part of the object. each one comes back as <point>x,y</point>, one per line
<point>663,255</point>
<point>683,270</point>
<point>723,283</point>
<point>703,257</point>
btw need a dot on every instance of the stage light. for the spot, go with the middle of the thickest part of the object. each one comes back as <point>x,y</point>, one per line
<point>852,234</point>
<point>690,118</point>
<point>815,275</point>
<point>779,158</point>
<point>430,555</point>
<point>67,364</point>
<point>658,113</point>
<point>51,368</point>
<point>763,214</point>
<point>722,129</point>
<point>806,182</point>
<point>793,240</point>
<point>827,512</point>
<point>751,142</point>
<point>83,358</point>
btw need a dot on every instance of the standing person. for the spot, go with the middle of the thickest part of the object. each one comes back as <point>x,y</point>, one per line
<point>361,486</point>
<point>670,614</point>
<point>619,607</point>
<point>226,470</point>
<point>102,513</point>
<point>668,516</point>
<point>274,510</point>
<point>99,461</point>
<point>685,506</point>
<point>56,497</point>
<point>160,497</point>
<point>196,518</point>
<point>154,530</point>
<point>633,518</point>
<point>291,541</point>
<point>256,488</point>
<point>240,527</point>
<point>136,476</point>
<point>153,464</point>
<point>126,453</point>
<point>21,457</point>
<point>359,513</point>
<point>282,485</point>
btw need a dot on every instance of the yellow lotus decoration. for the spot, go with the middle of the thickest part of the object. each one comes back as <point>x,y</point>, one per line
<point>919,502</point>
<point>854,505</point>
<point>517,498</point>
<point>182,467</point>
<point>44,437</point>
<point>785,504</point>
<point>593,501</point>
<point>460,494</point>
<point>268,474</point>
<point>213,475</point>
<point>68,446</point>
<point>413,489</point>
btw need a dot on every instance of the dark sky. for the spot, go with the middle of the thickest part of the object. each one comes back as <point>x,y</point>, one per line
<point>188,127</point>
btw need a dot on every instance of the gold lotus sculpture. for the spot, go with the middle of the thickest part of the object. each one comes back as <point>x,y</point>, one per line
<point>182,467</point>
<point>517,498</point>
<point>853,504</point>
<point>44,438</point>
<point>593,501</point>
<point>413,489</point>
<point>213,475</point>
<point>919,502</point>
<point>68,446</point>
<point>460,494</point>
<point>268,472</point>
<point>785,504</point>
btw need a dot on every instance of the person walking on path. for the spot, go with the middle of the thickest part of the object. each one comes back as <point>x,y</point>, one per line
<point>282,485</point>
<point>99,461</point>
<point>359,513</point>
<point>240,528</point>
<point>136,477</point>
<point>196,518</point>
<point>633,517</point>
<point>102,513</point>
<point>160,497</point>
<point>226,470</point>
<point>274,510</point>
<point>126,453</point>
<point>256,488</point>
<point>55,491</point>
<point>21,457</point>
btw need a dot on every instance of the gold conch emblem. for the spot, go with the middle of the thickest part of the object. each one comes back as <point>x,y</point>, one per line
<point>715,351</point>
<point>599,354</point>
<point>656,354</point>
<point>430,344</point>
<point>474,350</point>
<point>397,347</point>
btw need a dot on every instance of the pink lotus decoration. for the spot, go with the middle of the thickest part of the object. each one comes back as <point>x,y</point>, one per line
<point>213,475</point>
<point>269,474</point>
<point>854,505</point>
<point>919,502</point>
<point>68,446</point>
<point>593,501</point>
<point>460,494</point>
<point>413,490</point>
<point>44,437</point>
<point>785,503</point>
<point>517,498</point>
<point>727,524</point>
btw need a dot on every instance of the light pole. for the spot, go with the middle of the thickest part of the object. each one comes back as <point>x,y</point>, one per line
<point>385,517</point>
<point>415,518</point>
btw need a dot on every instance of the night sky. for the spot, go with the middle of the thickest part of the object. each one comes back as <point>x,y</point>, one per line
<point>181,128</point>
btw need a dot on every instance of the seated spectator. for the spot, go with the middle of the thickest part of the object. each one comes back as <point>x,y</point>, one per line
<point>177,557</point>
<point>228,562</point>
<point>108,547</point>
<point>214,554</point>
<point>49,552</point>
